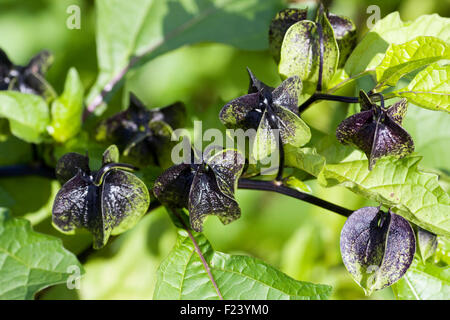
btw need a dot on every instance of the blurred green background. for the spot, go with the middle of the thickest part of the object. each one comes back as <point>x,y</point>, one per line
<point>298,238</point>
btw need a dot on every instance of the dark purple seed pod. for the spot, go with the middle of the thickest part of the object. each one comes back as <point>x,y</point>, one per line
<point>377,131</point>
<point>105,202</point>
<point>29,78</point>
<point>143,135</point>
<point>204,189</point>
<point>377,247</point>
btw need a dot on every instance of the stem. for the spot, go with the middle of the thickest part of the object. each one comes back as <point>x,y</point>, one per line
<point>21,170</point>
<point>271,186</point>
<point>324,96</point>
<point>330,97</point>
<point>381,99</point>
<point>200,254</point>
<point>108,167</point>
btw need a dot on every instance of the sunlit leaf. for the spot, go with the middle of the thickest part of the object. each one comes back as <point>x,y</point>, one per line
<point>297,184</point>
<point>182,276</point>
<point>67,109</point>
<point>430,88</point>
<point>392,30</point>
<point>424,281</point>
<point>427,243</point>
<point>396,183</point>
<point>409,56</point>
<point>28,115</point>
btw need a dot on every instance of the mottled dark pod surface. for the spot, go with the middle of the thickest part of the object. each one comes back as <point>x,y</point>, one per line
<point>108,201</point>
<point>377,131</point>
<point>310,51</point>
<point>26,79</point>
<point>69,165</point>
<point>377,247</point>
<point>345,34</point>
<point>143,135</point>
<point>279,25</point>
<point>204,189</point>
<point>265,109</point>
<point>343,27</point>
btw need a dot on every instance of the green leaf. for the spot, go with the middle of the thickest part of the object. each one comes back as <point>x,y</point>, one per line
<point>182,276</point>
<point>396,183</point>
<point>443,250</point>
<point>391,29</point>
<point>427,243</point>
<point>30,261</point>
<point>430,88</point>
<point>134,32</point>
<point>435,145</point>
<point>67,109</point>
<point>296,184</point>
<point>424,282</point>
<point>27,114</point>
<point>404,58</point>
<point>300,52</point>
<point>4,130</point>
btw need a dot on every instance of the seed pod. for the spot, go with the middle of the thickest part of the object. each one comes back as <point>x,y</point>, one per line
<point>26,79</point>
<point>344,31</point>
<point>143,135</point>
<point>345,35</point>
<point>377,248</point>
<point>265,109</point>
<point>279,25</point>
<point>204,189</point>
<point>106,202</point>
<point>377,131</point>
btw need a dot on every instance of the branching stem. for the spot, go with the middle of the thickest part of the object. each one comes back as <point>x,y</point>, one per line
<point>330,97</point>
<point>279,188</point>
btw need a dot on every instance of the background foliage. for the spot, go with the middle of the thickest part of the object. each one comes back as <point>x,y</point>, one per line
<point>299,239</point>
